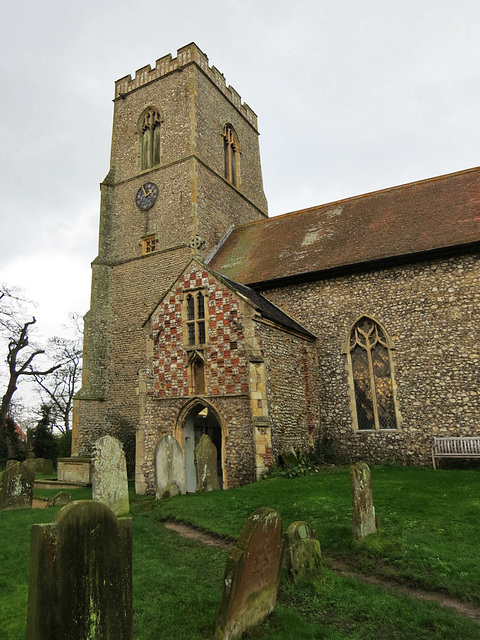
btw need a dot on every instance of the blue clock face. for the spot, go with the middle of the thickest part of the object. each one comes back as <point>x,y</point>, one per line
<point>146,196</point>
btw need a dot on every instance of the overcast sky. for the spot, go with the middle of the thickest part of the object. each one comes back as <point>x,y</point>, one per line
<point>351,97</point>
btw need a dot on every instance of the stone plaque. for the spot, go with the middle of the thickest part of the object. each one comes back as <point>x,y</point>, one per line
<point>16,487</point>
<point>169,467</point>
<point>109,475</point>
<point>206,463</point>
<point>80,582</point>
<point>364,520</point>
<point>252,575</point>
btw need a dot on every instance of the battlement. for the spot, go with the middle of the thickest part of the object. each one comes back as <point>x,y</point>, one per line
<point>186,55</point>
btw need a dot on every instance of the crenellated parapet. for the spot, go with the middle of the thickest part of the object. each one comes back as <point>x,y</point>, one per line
<point>186,55</point>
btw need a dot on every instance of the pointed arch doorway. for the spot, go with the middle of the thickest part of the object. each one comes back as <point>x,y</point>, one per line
<point>195,420</point>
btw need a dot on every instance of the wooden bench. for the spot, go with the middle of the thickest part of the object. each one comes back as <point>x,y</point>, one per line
<point>455,448</point>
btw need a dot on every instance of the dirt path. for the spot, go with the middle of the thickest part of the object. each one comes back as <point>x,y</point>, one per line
<point>341,569</point>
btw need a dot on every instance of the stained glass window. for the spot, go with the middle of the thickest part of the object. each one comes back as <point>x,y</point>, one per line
<point>370,360</point>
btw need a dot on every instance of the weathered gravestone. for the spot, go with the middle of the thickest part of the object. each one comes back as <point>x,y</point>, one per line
<point>60,500</point>
<point>252,575</point>
<point>80,581</point>
<point>302,555</point>
<point>16,487</point>
<point>31,463</point>
<point>47,467</point>
<point>40,465</point>
<point>364,520</point>
<point>169,467</point>
<point>206,462</point>
<point>109,475</point>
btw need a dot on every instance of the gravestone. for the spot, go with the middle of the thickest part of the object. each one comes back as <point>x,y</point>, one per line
<point>80,582</point>
<point>169,467</point>
<point>16,487</point>
<point>40,465</point>
<point>206,463</point>
<point>47,467</point>
<point>252,575</point>
<point>364,520</point>
<point>60,500</point>
<point>32,464</point>
<point>302,556</point>
<point>109,475</point>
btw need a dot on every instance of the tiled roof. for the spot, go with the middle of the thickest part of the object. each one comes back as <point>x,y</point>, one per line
<point>267,310</point>
<point>410,219</point>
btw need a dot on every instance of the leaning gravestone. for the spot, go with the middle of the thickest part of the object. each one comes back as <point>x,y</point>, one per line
<point>302,555</point>
<point>169,467</point>
<point>364,520</point>
<point>60,500</point>
<point>252,575</point>
<point>109,475</point>
<point>206,462</point>
<point>16,487</point>
<point>80,582</point>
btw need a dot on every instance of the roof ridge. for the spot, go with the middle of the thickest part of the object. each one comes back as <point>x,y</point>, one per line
<point>362,195</point>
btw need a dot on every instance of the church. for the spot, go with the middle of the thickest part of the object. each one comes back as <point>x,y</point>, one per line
<point>351,328</point>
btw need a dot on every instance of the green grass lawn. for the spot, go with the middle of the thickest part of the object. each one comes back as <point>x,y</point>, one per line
<point>429,536</point>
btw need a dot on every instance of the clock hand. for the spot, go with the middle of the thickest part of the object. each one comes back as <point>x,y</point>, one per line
<point>144,193</point>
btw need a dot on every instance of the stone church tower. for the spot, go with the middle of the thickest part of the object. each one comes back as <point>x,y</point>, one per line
<point>185,168</point>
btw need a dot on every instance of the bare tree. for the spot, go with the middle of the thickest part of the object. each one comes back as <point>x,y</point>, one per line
<point>20,354</point>
<point>58,388</point>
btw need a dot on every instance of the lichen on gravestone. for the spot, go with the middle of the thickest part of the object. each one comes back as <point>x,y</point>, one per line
<point>364,519</point>
<point>206,465</point>
<point>80,582</point>
<point>60,500</point>
<point>109,475</point>
<point>252,575</point>
<point>169,467</point>
<point>16,487</point>
<point>302,555</point>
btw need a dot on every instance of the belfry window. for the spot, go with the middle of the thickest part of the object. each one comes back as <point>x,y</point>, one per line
<point>371,376</point>
<point>150,139</point>
<point>149,244</point>
<point>232,155</point>
<point>194,319</point>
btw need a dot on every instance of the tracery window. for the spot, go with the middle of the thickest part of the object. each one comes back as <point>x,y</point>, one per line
<point>371,375</point>
<point>232,155</point>
<point>150,139</point>
<point>194,319</point>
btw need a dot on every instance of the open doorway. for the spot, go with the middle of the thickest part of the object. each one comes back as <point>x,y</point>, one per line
<point>200,420</point>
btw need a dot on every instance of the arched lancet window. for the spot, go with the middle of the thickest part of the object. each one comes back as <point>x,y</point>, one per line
<point>195,319</point>
<point>232,155</point>
<point>150,139</point>
<point>371,376</point>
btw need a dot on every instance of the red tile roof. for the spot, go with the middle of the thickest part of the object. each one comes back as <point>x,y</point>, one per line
<point>410,219</point>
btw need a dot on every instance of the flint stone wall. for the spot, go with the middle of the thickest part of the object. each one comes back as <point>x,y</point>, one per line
<point>430,311</point>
